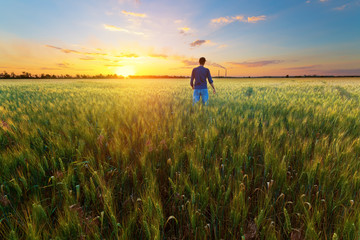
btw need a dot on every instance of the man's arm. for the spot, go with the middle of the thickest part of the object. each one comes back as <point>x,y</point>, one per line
<point>192,79</point>
<point>211,82</point>
<point>212,85</point>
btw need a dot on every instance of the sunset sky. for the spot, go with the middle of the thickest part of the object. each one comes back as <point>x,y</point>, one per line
<point>163,37</point>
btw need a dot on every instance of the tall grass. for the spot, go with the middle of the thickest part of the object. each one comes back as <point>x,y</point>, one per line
<point>133,159</point>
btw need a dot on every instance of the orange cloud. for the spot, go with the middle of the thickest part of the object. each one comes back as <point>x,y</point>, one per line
<point>64,50</point>
<point>128,55</point>
<point>118,29</point>
<point>114,28</point>
<point>239,18</point>
<point>199,43</point>
<point>222,20</point>
<point>88,58</point>
<point>255,19</point>
<point>158,55</point>
<point>142,15</point>
<point>184,30</point>
<point>256,64</point>
<point>64,65</point>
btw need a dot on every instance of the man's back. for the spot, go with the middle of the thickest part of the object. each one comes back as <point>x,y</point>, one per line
<point>200,74</point>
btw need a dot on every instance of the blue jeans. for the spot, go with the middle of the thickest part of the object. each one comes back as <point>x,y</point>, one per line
<point>200,92</point>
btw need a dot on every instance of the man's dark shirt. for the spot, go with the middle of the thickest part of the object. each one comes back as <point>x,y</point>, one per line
<point>200,74</point>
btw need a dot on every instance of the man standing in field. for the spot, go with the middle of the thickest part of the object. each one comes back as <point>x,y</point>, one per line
<point>200,74</point>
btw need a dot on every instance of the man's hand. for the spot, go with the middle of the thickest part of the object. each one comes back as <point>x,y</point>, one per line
<point>213,87</point>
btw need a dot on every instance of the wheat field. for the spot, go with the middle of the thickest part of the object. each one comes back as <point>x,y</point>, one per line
<point>134,159</point>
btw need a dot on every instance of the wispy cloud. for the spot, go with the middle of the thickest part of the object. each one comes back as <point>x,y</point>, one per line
<point>256,63</point>
<point>158,55</point>
<point>127,55</point>
<point>141,15</point>
<point>198,43</point>
<point>64,50</point>
<point>309,67</point>
<point>63,65</point>
<point>87,58</point>
<point>340,8</point>
<point>114,28</point>
<point>49,68</point>
<point>255,19</point>
<point>119,29</point>
<point>222,20</point>
<point>113,65</point>
<point>98,56</point>
<point>349,5</point>
<point>50,46</point>
<point>239,18</point>
<point>184,30</point>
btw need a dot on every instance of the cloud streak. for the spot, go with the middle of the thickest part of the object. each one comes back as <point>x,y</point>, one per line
<point>64,50</point>
<point>198,43</point>
<point>184,30</point>
<point>119,29</point>
<point>128,55</point>
<point>239,18</point>
<point>255,19</point>
<point>91,56</point>
<point>256,63</point>
<point>341,7</point>
<point>158,55</point>
<point>141,15</point>
<point>63,65</point>
<point>309,67</point>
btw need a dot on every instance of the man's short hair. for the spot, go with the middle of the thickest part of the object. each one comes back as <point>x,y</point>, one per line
<point>202,61</point>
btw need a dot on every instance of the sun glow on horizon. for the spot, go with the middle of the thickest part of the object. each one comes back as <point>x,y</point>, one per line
<point>125,71</point>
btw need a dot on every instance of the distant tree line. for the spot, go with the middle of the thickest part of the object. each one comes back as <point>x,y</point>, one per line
<point>27,75</point>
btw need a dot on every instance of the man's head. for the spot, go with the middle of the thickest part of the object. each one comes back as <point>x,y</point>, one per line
<point>202,61</point>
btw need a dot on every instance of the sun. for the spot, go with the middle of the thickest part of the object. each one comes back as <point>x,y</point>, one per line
<point>125,71</point>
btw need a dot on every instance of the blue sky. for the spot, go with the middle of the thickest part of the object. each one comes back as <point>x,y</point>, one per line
<point>249,38</point>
